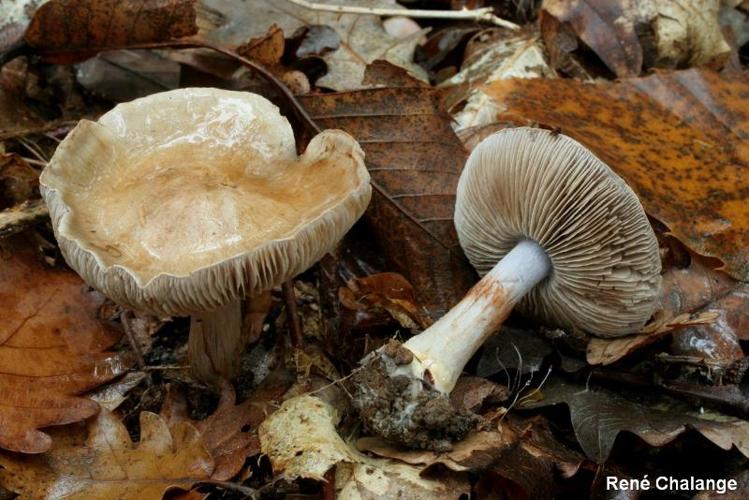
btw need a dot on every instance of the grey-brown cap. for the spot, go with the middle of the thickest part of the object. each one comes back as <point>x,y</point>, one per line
<point>527,183</point>
<point>186,200</point>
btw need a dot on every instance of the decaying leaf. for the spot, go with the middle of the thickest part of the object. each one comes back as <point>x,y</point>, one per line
<point>229,433</point>
<point>109,465</point>
<point>70,30</point>
<point>363,39</point>
<point>599,415</point>
<point>415,160</point>
<point>625,33</point>
<point>513,349</point>
<point>493,55</point>
<point>387,291</point>
<point>302,442</point>
<point>52,348</point>
<point>679,140</point>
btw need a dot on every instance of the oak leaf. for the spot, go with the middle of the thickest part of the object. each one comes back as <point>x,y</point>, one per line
<point>230,433</point>
<point>599,415</point>
<point>108,465</point>
<point>52,348</point>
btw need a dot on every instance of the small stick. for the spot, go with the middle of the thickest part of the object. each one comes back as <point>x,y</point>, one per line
<point>227,485</point>
<point>292,316</point>
<point>482,14</point>
<point>19,217</point>
<point>124,318</point>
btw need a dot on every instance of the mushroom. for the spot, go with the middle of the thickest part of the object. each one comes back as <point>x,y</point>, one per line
<point>554,232</point>
<point>185,202</point>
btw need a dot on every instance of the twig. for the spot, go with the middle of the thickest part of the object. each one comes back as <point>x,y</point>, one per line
<point>482,14</point>
<point>227,485</point>
<point>292,315</point>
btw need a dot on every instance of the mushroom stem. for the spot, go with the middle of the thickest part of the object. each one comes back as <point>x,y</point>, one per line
<point>216,342</point>
<point>442,350</point>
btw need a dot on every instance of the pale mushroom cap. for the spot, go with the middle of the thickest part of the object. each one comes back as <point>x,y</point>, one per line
<point>182,201</point>
<point>526,183</point>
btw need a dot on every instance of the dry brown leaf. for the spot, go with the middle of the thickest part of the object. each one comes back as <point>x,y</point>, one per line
<point>301,441</point>
<point>363,39</point>
<point>18,181</point>
<point>266,49</point>
<point>389,291</point>
<point>108,465</point>
<point>72,30</point>
<point>621,32</point>
<point>223,432</point>
<point>678,139</point>
<point>52,347</point>
<point>599,415</point>
<point>415,160</point>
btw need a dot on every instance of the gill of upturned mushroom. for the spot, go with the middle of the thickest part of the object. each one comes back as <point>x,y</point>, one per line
<point>185,202</point>
<point>553,231</point>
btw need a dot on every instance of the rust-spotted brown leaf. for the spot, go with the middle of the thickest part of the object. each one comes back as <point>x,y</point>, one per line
<point>679,140</point>
<point>52,347</point>
<point>70,30</point>
<point>415,160</point>
<point>108,465</point>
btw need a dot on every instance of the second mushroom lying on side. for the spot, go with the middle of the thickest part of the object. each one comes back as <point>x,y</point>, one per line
<point>185,202</point>
<point>555,233</point>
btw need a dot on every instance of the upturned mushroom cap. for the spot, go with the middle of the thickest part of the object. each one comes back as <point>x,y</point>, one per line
<point>526,183</point>
<point>186,200</point>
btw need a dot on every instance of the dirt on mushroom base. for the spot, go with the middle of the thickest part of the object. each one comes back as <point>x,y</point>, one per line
<point>405,409</point>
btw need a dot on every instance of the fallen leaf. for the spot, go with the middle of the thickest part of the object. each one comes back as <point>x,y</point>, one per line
<point>388,291</point>
<point>72,30</point>
<point>599,415</point>
<point>267,49</point>
<point>230,433</point>
<point>473,392</point>
<point>109,465</point>
<point>18,181</point>
<point>623,33</point>
<point>494,55</point>
<point>363,38</point>
<point>113,395</point>
<point>301,441</point>
<point>415,160</point>
<point>52,348</point>
<point>679,140</point>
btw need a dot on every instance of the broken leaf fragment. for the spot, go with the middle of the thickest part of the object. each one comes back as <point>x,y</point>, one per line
<point>301,441</point>
<point>109,465</point>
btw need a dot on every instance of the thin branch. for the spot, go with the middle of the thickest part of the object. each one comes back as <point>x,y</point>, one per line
<point>292,315</point>
<point>483,14</point>
<point>19,217</point>
<point>244,490</point>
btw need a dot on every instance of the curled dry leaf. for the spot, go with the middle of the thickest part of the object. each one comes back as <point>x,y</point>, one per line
<point>689,296</point>
<point>678,139</point>
<point>225,431</point>
<point>599,415</point>
<point>302,442</point>
<point>72,30</point>
<point>52,348</point>
<point>388,291</point>
<point>624,33</point>
<point>415,160</point>
<point>108,465</point>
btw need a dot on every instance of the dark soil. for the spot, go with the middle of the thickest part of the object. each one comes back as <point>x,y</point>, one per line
<point>405,409</point>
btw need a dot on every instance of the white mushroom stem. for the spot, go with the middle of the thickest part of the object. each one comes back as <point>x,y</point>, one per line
<point>444,348</point>
<point>216,342</point>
